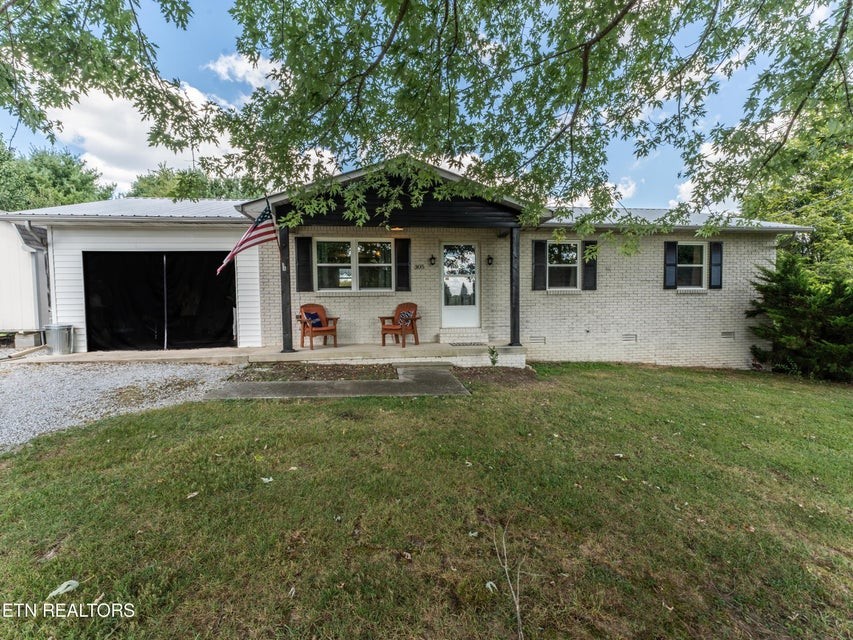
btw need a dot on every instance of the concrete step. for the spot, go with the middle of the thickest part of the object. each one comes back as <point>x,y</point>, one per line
<point>463,336</point>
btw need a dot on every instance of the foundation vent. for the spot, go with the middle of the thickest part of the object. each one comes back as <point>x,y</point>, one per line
<point>728,335</point>
<point>629,337</point>
<point>536,339</point>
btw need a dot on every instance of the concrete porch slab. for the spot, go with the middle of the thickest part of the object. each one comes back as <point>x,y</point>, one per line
<point>419,380</point>
<point>461,356</point>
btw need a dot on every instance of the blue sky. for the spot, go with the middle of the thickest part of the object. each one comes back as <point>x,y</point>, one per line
<point>110,135</point>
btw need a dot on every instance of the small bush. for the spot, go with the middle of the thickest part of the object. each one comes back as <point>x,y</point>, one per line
<point>808,322</point>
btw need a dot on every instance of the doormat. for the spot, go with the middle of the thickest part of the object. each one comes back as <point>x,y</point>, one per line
<point>468,344</point>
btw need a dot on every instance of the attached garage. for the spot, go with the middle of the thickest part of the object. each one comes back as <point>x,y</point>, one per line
<point>158,300</point>
<point>140,274</point>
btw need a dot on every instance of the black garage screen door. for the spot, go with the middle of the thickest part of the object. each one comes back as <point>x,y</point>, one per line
<point>158,300</point>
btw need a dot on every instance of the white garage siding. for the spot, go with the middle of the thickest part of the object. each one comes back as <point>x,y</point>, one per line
<point>66,266</point>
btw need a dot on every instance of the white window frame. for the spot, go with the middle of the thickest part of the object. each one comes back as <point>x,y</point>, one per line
<point>577,265</point>
<point>354,264</point>
<point>703,266</point>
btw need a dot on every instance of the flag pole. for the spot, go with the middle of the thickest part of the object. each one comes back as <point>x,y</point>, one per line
<point>284,275</point>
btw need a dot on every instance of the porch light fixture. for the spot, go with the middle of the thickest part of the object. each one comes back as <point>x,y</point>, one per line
<point>490,261</point>
<point>432,261</point>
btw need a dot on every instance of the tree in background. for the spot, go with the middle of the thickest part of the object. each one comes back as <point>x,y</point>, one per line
<point>53,51</point>
<point>191,184</point>
<point>523,96</point>
<point>47,178</point>
<point>806,304</point>
<point>811,184</point>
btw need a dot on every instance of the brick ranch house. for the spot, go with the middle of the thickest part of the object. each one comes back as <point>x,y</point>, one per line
<point>139,274</point>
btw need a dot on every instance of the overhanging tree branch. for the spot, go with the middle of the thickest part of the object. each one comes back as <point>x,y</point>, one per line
<point>816,78</point>
<point>846,83</point>
<point>598,37</point>
<point>570,125</point>
<point>8,5</point>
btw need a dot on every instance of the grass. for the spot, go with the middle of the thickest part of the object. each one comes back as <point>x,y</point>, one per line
<point>641,502</point>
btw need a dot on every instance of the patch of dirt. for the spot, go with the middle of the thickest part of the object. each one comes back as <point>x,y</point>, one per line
<point>295,371</point>
<point>496,375</point>
<point>52,552</point>
<point>135,395</point>
<point>129,396</point>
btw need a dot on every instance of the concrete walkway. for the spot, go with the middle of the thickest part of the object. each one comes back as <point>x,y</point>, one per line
<point>432,379</point>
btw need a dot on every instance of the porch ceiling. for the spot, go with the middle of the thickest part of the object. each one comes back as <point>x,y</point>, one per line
<point>456,212</point>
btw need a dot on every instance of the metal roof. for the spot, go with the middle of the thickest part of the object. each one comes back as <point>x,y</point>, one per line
<point>695,221</point>
<point>136,209</point>
<point>228,212</point>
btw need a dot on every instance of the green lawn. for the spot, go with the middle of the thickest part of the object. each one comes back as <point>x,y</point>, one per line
<point>641,502</point>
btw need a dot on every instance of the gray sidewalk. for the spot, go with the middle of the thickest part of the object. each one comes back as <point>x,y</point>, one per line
<point>432,379</point>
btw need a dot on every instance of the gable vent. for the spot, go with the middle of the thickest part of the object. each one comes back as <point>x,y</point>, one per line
<point>629,337</point>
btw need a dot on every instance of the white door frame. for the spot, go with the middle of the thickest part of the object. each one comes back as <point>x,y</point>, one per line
<point>459,316</point>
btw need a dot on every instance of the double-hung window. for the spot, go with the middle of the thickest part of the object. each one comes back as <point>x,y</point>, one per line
<point>356,265</point>
<point>563,265</point>
<point>690,267</point>
<point>375,265</point>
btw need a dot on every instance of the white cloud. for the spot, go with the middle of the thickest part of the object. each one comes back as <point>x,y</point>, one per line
<point>626,187</point>
<point>237,68</point>
<point>582,201</point>
<point>710,155</point>
<point>818,15</point>
<point>685,193</point>
<point>459,164</point>
<point>113,138</point>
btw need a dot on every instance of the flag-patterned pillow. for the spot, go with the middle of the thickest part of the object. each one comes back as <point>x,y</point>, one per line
<point>313,319</point>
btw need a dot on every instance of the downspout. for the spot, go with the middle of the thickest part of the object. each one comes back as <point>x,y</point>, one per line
<point>37,280</point>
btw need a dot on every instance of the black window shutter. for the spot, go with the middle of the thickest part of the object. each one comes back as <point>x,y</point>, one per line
<point>402,253</point>
<point>590,269</point>
<point>715,276</point>
<point>670,265</point>
<point>304,267</point>
<point>540,265</point>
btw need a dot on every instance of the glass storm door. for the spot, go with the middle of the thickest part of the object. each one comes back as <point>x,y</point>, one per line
<point>460,299</point>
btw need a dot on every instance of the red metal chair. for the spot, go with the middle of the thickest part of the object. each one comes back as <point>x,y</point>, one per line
<point>314,322</point>
<point>404,321</point>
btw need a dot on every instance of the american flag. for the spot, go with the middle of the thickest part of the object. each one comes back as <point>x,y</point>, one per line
<point>262,230</point>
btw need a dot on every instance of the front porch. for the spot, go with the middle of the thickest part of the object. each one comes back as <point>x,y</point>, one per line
<point>426,352</point>
<point>457,258</point>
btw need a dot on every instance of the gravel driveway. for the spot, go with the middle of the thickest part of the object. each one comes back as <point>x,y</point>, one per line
<point>37,398</point>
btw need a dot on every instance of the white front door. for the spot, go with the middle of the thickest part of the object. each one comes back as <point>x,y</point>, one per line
<point>460,298</point>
